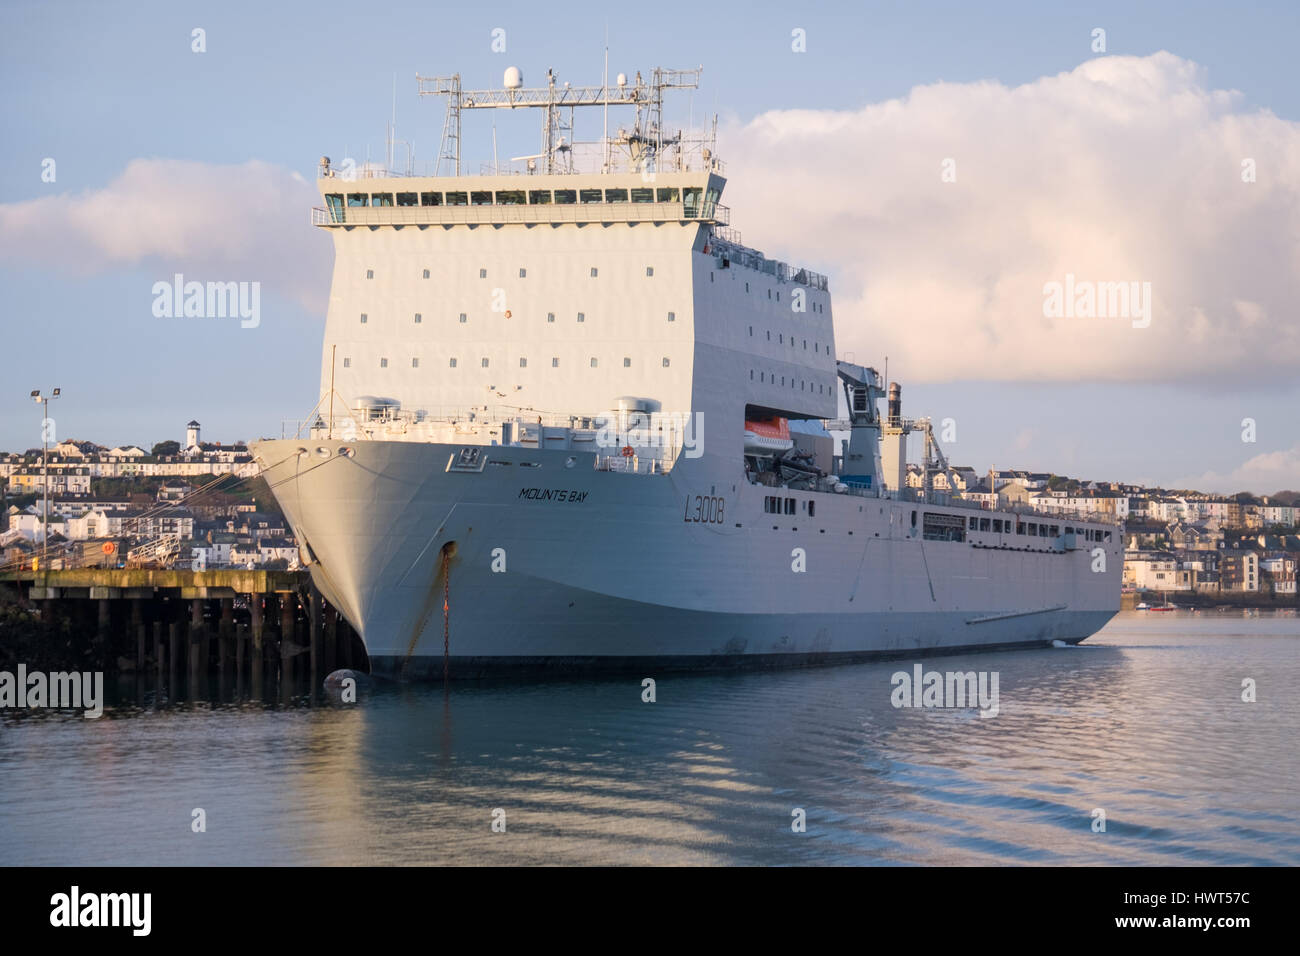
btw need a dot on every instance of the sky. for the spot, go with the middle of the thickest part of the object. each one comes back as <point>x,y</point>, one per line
<point>943,163</point>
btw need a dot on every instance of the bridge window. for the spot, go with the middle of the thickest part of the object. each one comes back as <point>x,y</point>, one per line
<point>667,194</point>
<point>430,199</point>
<point>591,195</point>
<point>615,195</point>
<point>985,524</point>
<point>457,199</point>
<point>643,195</point>
<point>358,199</point>
<point>510,197</point>
<point>565,197</point>
<point>790,506</point>
<point>539,197</point>
<point>973,523</point>
<point>407,199</point>
<point>381,199</point>
<point>482,197</point>
<point>691,199</point>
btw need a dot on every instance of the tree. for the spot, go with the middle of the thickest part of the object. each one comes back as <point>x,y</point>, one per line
<point>166,448</point>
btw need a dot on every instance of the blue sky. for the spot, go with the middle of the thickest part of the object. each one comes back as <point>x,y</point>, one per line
<point>97,86</point>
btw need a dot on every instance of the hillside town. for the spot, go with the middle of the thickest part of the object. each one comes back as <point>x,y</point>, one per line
<point>203,505</point>
<point>194,505</point>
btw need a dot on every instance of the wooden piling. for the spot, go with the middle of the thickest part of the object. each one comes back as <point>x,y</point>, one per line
<point>315,621</point>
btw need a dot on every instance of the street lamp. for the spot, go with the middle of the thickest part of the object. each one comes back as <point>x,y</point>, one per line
<point>45,469</point>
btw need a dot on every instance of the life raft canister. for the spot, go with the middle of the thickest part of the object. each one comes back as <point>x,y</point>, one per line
<point>627,451</point>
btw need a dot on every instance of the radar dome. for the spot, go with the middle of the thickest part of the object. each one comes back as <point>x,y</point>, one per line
<point>513,79</point>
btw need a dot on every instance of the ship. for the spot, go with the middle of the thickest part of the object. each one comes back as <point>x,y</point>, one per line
<point>569,422</point>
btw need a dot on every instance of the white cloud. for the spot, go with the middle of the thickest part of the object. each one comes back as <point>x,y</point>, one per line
<point>1123,169</point>
<point>1263,474</point>
<point>247,222</point>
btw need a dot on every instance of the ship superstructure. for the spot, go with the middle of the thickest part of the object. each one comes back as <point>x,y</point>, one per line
<point>569,419</point>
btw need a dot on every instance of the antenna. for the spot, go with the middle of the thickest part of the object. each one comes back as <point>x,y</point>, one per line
<point>604,89</point>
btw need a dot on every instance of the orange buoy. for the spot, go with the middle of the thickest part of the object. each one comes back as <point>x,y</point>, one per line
<point>627,451</point>
<point>108,547</point>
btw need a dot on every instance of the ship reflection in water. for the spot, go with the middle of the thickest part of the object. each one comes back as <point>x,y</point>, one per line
<point>1145,722</point>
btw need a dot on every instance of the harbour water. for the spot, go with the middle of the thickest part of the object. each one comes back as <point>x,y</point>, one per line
<point>1145,721</point>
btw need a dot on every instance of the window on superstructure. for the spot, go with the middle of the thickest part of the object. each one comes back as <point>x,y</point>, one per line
<point>480,197</point>
<point>649,271</point>
<point>383,363</point>
<point>627,362</point>
<point>426,273</point>
<point>672,316</point>
<point>523,363</point>
<point>347,363</point>
<point>691,200</point>
<point>780,340</point>
<point>358,199</point>
<point>510,197</point>
<point>550,316</point>
<point>484,363</point>
<point>565,197</point>
<point>464,318</point>
<point>667,194</point>
<point>408,199</point>
<point>591,195</point>
<point>665,361</point>
<point>594,272</point>
<point>790,506</point>
<point>539,197</point>
<point>778,297</point>
<point>482,273</point>
<point>523,273</point>
<point>418,318</point>
<point>751,374</point>
<point>452,363</point>
<point>643,195</point>
<point>555,363</point>
<point>593,361</point>
<point>415,363</point>
<point>364,318</point>
<point>430,199</point>
<point>381,199</point>
<point>457,199</point>
<point>805,345</point>
<point>812,508</point>
<point>615,195</point>
<point>370,273</point>
<point>582,317</point>
<point>985,524</point>
<point>746,286</point>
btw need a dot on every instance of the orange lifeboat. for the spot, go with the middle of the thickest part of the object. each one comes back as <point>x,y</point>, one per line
<point>767,436</point>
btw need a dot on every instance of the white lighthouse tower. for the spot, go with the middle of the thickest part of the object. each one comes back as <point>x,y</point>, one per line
<point>192,438</point>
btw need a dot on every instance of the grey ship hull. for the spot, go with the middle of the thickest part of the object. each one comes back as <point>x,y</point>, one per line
<point>563,568</point>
